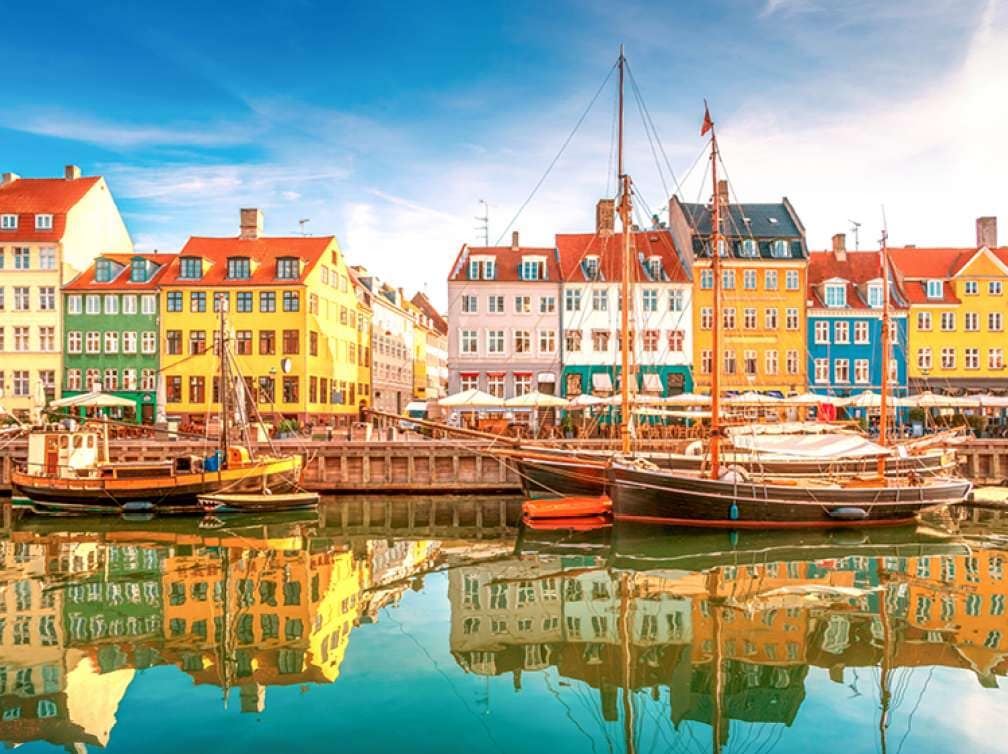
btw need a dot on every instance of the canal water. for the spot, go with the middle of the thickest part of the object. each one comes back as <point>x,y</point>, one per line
<point>301,633</point>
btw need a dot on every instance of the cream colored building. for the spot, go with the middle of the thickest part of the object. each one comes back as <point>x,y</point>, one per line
<point>50,229</point>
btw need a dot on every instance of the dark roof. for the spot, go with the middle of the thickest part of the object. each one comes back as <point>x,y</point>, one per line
<point>763,223</point>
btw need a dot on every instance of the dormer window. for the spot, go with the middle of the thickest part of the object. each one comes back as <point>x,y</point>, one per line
<point>43,222</point>
<point>238,268</point>
<point>591,267</point>
<point>836,295</point>
<point>287,268</point>
<point>103,271</point>
<point>190,268</point>
<point>8,222</point>
<point>780,249</point>
<point>138,270</point>
<point>722,248</point>
<point>875,295</point>
<point>934,288</point>
<point>654,268</point>
<point>749,248</point>
<point>533,268</point>
<point>481,268</point>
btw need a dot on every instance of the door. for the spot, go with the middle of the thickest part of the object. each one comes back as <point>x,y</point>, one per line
<point>147,413</point>
<point>52,455</point>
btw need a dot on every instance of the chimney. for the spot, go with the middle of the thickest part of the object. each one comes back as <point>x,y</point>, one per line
<point>71,173</point>
<point>514,240</point>
<point>986,229</point>
<point>722,191</point>
<point>605,217</point>
<point>840,247</point>
<point>8,178</point>
<point>251,223</point>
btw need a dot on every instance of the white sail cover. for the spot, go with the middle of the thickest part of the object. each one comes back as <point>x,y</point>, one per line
<point>822,446</point>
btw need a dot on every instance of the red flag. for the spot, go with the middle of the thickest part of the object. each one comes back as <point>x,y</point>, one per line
<point>708,124</point>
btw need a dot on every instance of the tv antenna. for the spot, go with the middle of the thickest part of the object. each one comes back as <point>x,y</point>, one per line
<point>855,229</point>
<point>302,223</point>
<point>483,229</point>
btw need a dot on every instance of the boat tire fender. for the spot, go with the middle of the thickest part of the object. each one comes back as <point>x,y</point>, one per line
<point>848,513</point>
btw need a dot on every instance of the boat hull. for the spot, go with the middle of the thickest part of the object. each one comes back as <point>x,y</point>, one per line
<point>685,500</point>
<point>561,477</point>
<point>169,494</point>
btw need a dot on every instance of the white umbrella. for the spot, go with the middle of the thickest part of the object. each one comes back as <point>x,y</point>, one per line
<point>585,400</point>
<point>868,399</point>
<point>686,399</point>
<point>471,399</point>
<point>990,401</point>
<point>96,398</point>
<point>752,398</point>
<point>812,399</point>
<point>536,399</point>
<point>933,400</point>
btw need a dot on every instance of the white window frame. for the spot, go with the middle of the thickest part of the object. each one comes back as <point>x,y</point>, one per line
<point>129,303</point>
<point>43,221</point>
<point>74,303</point>
<point>8,221</point>
<point>934,288</point>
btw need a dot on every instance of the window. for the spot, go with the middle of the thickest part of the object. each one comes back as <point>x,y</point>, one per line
<point>972,360</point>
<point>677,300</point>
<point>287,268</point>
<point>267,342</point>
<point>129,342</point>
<point>706,318</point>
<point>779,249</point>
<point>243,342</point>
<point>729,362</point>
<point>238,268</point>
<point>971,288</point>
<point>267,301</point>
<point>469,382</point>
<point>591,268</point>
<point>822,329</point>
<point>47,258</point>
<point>243,301</point>
<point>770,318</point>
<point>291,342</point>
<point>572,300</point>
<point>650,340</point>
<point>21,339</point>
<point>547,304</point>
<point>112,304</point>
<point>523,383</point>
<point>221,301</point>
<point>994,288</point>
<point>74,342</point>
<point>522,341</point>
<point>728,318</point>
<point>841,371</point>
<point>173,389</point>
<point>74,304</point>
<point>47,298</point>
<point>173,342</point>
<point>148,342</point>
<point>971,322</point>
<point>934,288</point>
<point>792,281</point>
<point>841,331</point>
<point>197,341</point>
<point>770,280</point>
<point>291,389</point>
<point>676,341</point>
<point>495,385</point>
<point>532,269</point>
<point>650,299</point>
<point>547,341</point>
<point>523,304</point>
<point>197,389</point>
<point>924,358</point>
<point>92,342</point>
<point>994,320</point>
<point>706,280</point>
<point>836,295</point>
<point>291,301</point>
<point>749,363</point>
<point>728,280</point>
<point>948,358</point>
<point>600,340</point>
<point>111,342</point>
<point>821,371</point>
<point>468,341</point>
<point>654,268</point>
<point>470,304</point>
<point>495,341</point>
<point>495,304</point>
<point>861,376</point>
<point>749,248</point>
<point>197,301</point>
<point>22,257</point>
<point>861,331</point>
<point>21,303</point>
<point>749,319</point>
<point>770,365</point>
<point>791,362</point>
<point>572,340</point>
<point>73,379</point>
<point>995,358</point>
<point>190,268</point>
<point>8,222</point>
<point>749,280</point>
<point>481,269</point>
<point>600,300</point>
<point>706,361</point>
<point>948,323</point>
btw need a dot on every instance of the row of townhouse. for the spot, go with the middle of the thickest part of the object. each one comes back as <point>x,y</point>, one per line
<point>315,339</point>
<point>548,318</point>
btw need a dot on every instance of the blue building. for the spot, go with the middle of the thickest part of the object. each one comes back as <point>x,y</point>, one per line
<point>845,301</point>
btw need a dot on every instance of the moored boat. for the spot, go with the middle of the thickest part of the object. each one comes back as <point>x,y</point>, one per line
<point>225,502</point>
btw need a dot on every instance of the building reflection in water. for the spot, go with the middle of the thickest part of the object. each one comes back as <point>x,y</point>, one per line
<point>81,612</point>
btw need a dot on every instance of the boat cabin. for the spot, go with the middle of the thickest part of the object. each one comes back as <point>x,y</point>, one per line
<point>64,454</point>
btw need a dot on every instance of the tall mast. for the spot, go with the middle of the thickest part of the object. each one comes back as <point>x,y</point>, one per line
<point>886,345</point>
<point>223,388</point>
<point>624,211</point>
<point>715,440</point>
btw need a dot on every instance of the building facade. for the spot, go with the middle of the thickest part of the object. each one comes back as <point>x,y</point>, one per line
<point>110,333</point>
<point>436,369</point>
<point>763,259</point>
<point>845,295</point>
<point>661,328</point>
<point>504,320</point>
<point>392,345</point>
<point>957,313</point>
<point>50,229</point>
<point>292,310</point>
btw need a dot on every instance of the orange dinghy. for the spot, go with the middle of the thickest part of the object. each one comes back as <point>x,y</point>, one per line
<point>567,507</point>
<point>582,523</point>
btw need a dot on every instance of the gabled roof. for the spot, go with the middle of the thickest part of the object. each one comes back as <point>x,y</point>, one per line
<point>765,220</point>
<point>421,301</point>
<point>916,293</point>
<point>508,262</point>
<point>574,248</point>
<point>26,197</point>
<point>858,269</point>
<point>85,281</point>
<point>931,263</point>
<point>263,251</point>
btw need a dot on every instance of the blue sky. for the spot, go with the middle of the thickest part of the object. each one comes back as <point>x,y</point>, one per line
<point>385,123</point>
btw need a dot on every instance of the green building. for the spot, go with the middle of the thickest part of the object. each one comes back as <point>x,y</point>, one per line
<point>110,331</point>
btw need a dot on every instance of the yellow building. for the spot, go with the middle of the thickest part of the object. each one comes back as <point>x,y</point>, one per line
<point>421,333</point>
<point>958,307</point>
<point>764,263</point>
<point>50,229</point>
<point>295,317</point>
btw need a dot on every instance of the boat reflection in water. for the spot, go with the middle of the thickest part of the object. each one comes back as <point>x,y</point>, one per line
<point>708,640</point>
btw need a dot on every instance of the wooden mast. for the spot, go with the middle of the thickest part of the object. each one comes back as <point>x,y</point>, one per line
<point>627,647</point>
<point>715,438</point>
<point>884,400</point>
<point>223,390</point>
<point>624,210</point>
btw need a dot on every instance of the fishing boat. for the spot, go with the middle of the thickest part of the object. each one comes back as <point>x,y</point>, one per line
<point>226,502</point>
<point>71,472</point>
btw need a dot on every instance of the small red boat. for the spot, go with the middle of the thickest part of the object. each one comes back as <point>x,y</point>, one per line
<point>581,523</point>
<point>567,507</point>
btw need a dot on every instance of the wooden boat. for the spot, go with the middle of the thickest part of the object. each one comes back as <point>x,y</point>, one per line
<point>224,502</point>
<point>567,507</point>
<point>572,524</point>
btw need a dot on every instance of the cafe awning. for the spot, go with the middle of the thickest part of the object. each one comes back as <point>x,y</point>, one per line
<point>94,399</point>
<point>602,382</point>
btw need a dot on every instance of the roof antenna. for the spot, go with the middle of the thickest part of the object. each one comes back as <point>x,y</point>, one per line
<point>302,222</point>
<point>483,229</point>
<point>855,226</point>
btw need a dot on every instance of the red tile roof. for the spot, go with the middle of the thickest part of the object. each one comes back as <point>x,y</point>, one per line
<point>574,248</point>
<point>263,252</point>
<point>85,281</point>
<point>916,293</point>
<point>921,263</point>
<point>857,269</point>
<point>508,262</point>
<point>27,197</point>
